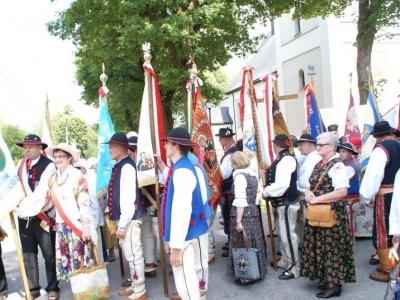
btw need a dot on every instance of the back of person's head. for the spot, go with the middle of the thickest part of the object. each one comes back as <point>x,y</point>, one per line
<point>240,159</point>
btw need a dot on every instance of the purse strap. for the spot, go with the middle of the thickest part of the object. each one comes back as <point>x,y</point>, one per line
<point>322,176</point>
<point>83,254</point>
<point>246,240</point>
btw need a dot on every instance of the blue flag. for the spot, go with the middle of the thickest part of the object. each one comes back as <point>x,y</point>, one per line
<point>314,120</point>
<point>105,163</point>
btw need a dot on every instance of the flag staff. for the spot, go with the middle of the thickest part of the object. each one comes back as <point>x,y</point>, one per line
<point>46,101</point>
<point>147,58</point>
<point>261,164</point>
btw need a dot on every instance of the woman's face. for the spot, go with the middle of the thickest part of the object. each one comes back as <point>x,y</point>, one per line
<point>324,149</point>
<point>61,159</point>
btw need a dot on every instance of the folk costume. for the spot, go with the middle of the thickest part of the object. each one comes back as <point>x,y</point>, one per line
<point>127,210</point>
<point>377,185</point>
<point>282,190</point>
<point>35,228</point>
<point>3,279</point>
<point>394,218</point>
<point>327,252</point>
<point>303,177</point>
<point>183,221</point>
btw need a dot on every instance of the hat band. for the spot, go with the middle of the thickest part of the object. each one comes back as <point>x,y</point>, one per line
<point>118,142</point>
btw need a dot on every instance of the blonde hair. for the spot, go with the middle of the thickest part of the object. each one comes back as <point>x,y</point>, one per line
<point>240,159</point>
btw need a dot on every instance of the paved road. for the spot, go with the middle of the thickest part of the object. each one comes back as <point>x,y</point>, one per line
<point>221,287</point>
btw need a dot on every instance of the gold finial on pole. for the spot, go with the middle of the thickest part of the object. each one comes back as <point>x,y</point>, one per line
<point>193,70</point>
<point>146,52</point>
<point>103,76</point>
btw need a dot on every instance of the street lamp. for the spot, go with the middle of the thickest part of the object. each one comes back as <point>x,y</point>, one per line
<point>209,106</point>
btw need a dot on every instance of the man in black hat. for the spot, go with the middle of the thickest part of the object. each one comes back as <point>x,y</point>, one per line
<point>281,189</point>
<point>377,190</point>
<point>307,148</point>
<point>128,211</point>
<point>334,129</point>
<point>34,172</point>
<point>228,144</point>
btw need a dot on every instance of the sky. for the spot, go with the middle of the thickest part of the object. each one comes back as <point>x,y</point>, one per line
<point>33,62</point>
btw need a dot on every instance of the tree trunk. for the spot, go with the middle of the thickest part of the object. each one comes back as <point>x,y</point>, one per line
<point>366,27</point>
<point>167,110</point>
<point>185,102</point>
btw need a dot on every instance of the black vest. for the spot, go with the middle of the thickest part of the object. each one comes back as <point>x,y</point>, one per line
<point>291,192</point>
<point>227,183</point>
<point>392,149</point>
<point>114,192</point>
<point>36,171</point>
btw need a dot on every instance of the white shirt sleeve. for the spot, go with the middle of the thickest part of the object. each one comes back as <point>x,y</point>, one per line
<point>240,191</point>
<point>303,181</point>
<point>373,175</point>
<point>350,172</point>
<point>394,217</point>
<point>284,170</point>
<point>184,184</point>
<point>226,167</point>
<point>127,196</point>
<point>338,175</point>
<point>203,188</point>
<point>162,176</point>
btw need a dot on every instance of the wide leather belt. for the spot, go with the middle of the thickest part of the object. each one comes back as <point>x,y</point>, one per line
<point>277,202</point>
<point>385,190</point>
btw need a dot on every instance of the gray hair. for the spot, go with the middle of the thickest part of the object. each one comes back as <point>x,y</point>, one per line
<point>330,138</point>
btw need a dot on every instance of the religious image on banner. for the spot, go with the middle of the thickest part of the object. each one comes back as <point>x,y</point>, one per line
<point>145,162</point>
<point>351,128</point>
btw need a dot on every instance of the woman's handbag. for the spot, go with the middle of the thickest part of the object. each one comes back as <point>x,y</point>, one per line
<point>321,215</point>
<point>90,283</point>
<point>245,261</point>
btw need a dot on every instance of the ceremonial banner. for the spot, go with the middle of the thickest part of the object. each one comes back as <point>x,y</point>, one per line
<point>9,182</point>
<point>314,121</point>
<point>266,139</point>
<point>145,160</point>
<point>201,133</point>
<point>105,163</point>
<point>351,126</point>
<point>372,116</point>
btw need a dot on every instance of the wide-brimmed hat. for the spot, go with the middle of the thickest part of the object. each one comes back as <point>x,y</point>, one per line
<point>181,136</point>
<point>333,127</point>
<point>382,128</point>
<point>119,138</point>
<point>348,147</point>
<point>132,141</point>
<point>66,148</point>
<point>82,163</point>
<point>91,162</point>
<point>282,140</point>
<point>225,132</point>
<point>32,139</point>
<point>306,137</point>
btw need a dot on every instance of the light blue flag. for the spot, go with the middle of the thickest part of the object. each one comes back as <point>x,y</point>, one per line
<point>372,116</point>
<point>105,163</point>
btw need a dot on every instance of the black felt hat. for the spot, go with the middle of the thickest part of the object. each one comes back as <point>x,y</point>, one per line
<point>282,140</point>
<point>32,139</point>
<point>382,128</point>
<point>180,136</point>
<point>348,147</point>
<point>225,132</point>
<point>333,127</point>
<point>120,139</point>
<point>306,137</point>
<point>133,140</point>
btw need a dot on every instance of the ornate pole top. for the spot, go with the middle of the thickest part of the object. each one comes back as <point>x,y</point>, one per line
<point>146,50</point>
<point>193,70</point>
<point>103,76</point>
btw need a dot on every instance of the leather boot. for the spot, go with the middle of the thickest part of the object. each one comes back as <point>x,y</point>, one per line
<point>152,273</point>
<point>383,276</point>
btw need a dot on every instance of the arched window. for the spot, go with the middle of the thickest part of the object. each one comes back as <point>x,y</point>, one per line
<point>302,81</point>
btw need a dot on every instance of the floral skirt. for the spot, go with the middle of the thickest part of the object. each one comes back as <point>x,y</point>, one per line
<point>252,227</point>
<point>327,253</point>
<point>69,249</point>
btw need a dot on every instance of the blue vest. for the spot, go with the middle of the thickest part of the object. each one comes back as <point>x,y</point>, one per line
<point>392,149</point>
<point>198,223</point>
<point>114,192</point>
<point>354,182</point>
<point>36,171</point>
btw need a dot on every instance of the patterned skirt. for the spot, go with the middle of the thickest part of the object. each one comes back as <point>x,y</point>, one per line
<point>252,227</point>
<point>69,249</point>
<point>327,253</point>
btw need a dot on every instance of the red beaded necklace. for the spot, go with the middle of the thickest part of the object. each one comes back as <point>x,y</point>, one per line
<point>60,184</point>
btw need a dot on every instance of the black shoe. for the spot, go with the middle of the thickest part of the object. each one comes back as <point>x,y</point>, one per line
<point>275,236</point>
<point>333,292</point>
<point>225,254</point>
<point>225,247</point>
<point>322,286</point>
<point>279,253</point>
<point>286,276</point>
<point>242,281</point>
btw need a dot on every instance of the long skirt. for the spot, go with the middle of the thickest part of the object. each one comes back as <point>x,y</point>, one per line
<point>327,253</point>
<point>252,227</point>
<point>69,249</point>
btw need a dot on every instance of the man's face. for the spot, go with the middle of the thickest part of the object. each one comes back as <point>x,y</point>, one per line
<point>344,154</point>
<point>32,152</point>
<point>222,140</point>
<point>276,148</point>
<point>170,149</point>
<point>114,150</point>
<point>306,148</point>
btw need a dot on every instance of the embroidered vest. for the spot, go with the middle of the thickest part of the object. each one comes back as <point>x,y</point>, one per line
<point>227,183</point>
<point>36,171</point>
<point>354,189</point>
<point>198,223</point>
<point>114,193</point>
<point>392,150</point>
<point>251,196</point>
<point>291,192</point>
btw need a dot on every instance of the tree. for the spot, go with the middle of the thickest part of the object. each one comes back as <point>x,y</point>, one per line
<point>11,135</point>
<point>373,16</point>
<point>113,31</point>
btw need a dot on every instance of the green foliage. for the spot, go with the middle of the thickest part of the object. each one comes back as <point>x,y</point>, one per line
<point>78,132</point>
<point>113,31</point>
<point>11,135</point>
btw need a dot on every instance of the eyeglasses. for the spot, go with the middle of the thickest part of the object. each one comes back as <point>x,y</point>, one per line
<point>59,157</point>
<point>321,145</point>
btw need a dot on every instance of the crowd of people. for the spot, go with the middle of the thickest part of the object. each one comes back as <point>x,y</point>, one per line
<point>60,213</point>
